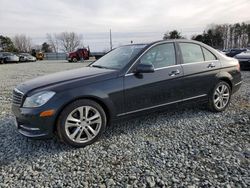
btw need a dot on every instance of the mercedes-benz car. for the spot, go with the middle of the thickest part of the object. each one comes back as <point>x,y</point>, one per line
<point>131,80</point>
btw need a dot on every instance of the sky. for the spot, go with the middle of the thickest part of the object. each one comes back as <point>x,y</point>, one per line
<point>137,20</point>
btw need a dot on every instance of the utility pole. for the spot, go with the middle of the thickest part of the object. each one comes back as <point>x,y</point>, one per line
<point>110,39</point>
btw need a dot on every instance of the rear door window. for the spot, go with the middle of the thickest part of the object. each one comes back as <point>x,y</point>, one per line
<point>208,55</point>
<point>191,53</point>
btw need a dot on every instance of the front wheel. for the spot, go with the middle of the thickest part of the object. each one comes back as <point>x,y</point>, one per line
<point>81,123</point>
<point>220,97</point>
<point>74,60</point>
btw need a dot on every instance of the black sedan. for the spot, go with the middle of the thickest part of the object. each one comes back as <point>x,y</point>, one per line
<point>78,104</point>
<point>233,52</point>
<point>244,59</point>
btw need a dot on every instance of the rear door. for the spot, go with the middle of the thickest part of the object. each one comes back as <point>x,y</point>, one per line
<point>150,90</point>
<point>200,67</point>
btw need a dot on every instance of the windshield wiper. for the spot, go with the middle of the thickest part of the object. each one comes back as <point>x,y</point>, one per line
<point>99,66</point>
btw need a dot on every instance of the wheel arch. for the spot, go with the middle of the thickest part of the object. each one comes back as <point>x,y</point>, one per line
<point>226,77</point>
<point>98,100</point>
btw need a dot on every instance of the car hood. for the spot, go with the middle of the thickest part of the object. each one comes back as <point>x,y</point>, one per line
<point>90,74</point>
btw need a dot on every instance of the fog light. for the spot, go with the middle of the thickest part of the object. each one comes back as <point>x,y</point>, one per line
<point>47,113</point>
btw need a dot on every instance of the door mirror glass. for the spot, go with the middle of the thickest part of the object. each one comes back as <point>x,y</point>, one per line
<point>144,68</point>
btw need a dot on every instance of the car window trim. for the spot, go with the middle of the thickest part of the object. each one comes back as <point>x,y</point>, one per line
<point>210,52</point>
<point>170,66</point>
<point>156,44</point>
<point>200,62</point>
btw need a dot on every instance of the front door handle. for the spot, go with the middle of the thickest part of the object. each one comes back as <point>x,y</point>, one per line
<point>174,73</point>
<point>211,65</point>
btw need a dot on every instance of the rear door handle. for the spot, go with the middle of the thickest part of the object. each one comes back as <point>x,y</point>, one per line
<point>174,73</point>
<point>211,65</point>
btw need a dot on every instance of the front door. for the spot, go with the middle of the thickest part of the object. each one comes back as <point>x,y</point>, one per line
<point>150,90</point>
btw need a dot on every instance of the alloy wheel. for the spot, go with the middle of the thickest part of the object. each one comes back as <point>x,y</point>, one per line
<point>221,96</point>
<point>83,124</point>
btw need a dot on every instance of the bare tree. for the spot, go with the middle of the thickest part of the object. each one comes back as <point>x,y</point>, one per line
<point>226,35</point>
<point>53,42</point>
<point>69,41</point>
<point>65,41</point>
<point>22,43</point>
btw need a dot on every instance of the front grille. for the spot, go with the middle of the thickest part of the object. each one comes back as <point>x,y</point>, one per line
<point>17,97</point>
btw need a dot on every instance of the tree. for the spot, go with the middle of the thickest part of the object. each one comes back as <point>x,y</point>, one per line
<point>172,35</point>
<point>6,44</point>
<point>65,41</point>
<point>22,43</point>
<point>53,42</point>
<point>198,38</point>
<point>69,41</point>
<point>46,47</point>
<point>226,36</point>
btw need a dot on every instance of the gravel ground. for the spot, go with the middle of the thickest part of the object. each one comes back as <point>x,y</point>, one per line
<point>190,147</point>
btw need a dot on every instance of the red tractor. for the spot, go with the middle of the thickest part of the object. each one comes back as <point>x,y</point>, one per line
<point>80,54</point>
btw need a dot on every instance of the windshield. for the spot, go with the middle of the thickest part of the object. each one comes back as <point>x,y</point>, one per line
<point>119,57</point>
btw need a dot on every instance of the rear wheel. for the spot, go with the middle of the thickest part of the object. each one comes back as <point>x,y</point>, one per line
<point>81,123</point>
<point>220,97</point>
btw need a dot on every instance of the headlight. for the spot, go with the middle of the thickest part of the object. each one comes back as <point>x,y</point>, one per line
<point>38,99</point>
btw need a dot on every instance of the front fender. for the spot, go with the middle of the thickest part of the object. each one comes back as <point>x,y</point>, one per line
<point>68,97</point>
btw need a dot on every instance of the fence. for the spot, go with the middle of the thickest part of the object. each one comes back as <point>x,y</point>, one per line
<point>55,56</point>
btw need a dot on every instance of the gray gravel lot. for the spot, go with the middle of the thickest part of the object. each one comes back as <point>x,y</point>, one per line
<point>190,147</point>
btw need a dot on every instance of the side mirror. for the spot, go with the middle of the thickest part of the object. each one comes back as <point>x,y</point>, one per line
<point>144,68</point>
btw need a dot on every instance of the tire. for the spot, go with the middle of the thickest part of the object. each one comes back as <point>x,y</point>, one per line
<point>21,59</point>
<point>78,131</point>
<point>74,60</point>
<point>220,97</point>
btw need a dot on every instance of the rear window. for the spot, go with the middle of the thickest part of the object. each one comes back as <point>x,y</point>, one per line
<point>191,53</point>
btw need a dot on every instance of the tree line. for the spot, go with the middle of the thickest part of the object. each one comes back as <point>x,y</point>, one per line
<point>220,36</point>
<point>226,36</point>
<point>65,41</point>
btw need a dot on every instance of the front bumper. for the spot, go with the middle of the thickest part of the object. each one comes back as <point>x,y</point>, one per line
<point>30,124</point>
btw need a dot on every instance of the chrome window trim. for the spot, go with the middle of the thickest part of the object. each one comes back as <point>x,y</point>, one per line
<point>171,66</point>
<point>159,43</point>
<point>129,74</point>
<point>160,105</point>
<point>198,62</point>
